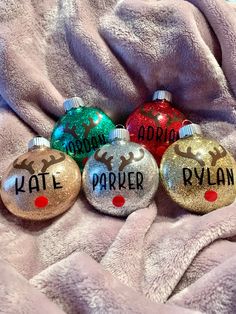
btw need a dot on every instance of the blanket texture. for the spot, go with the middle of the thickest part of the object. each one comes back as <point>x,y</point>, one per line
<point>114,54</point>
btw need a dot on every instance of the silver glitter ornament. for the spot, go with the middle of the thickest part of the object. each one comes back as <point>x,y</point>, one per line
<point>120,177</point>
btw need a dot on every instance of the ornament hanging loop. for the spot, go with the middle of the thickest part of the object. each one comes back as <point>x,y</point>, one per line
<point>120,126</point>
<point>186,122</point>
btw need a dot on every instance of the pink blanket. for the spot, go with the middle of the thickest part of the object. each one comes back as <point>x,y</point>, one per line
<point>114,54</point>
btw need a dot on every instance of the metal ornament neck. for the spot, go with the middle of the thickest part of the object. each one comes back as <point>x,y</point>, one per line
<point>74,102</point>
<point>162,95</point>
<point>119,134</point>
<point>38,142</point>
<point>190,130</point>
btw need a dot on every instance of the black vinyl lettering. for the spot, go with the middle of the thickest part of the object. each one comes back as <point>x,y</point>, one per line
<point>186,178</point>
<point>220,176</point>
<point>130,183</point>
<point>71,148</point>
<point>150,133</point>
<point>172,136</point>
<point>199,177</point>
<point>112,180</point>
<point>101,139</point>
<point>33,183</point>
<point>95,180</point>
<point>209,178</point>
<point>43,179</point>
<point>139,179</point>
<point>230,176</point>
<point>141,133</point>
<point>19,188</point>
<point>121,182</point>
<point>79,147</point>
<point>87,145</point>
<point>56,184</point>
<point>103,183</point>
<point>159,134</point>
<point>94,143</point>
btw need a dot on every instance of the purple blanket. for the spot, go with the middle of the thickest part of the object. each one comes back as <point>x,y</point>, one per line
<point>114,54</point>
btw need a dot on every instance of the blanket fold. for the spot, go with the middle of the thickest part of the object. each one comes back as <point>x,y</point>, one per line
<point>88,288</point>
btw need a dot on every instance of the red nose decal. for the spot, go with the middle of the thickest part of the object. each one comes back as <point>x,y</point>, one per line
<point>211,196</point>
<point>41,201</point>
<point>118,201</point>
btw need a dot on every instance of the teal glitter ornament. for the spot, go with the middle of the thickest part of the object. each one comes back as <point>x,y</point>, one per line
<point>81,130</point>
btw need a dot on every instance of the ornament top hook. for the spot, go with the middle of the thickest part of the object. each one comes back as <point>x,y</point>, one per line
<point>186,122</point>
<point>73,102</point>
<point>162,95</point>
<point>120,126</point>
<point>120,133</point>
<point>37,142</point>
<point>189,129</point>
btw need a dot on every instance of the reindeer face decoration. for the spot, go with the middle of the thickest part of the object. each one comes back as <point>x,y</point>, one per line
<point>199,174</point>
<point>41,184</point>
<point>120,178</point>
<point>81,131</point>
<point>155,125</point>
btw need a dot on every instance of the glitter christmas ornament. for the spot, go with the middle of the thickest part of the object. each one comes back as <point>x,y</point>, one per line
<point>198,173</point>
<point>155,124</point>
<point>120,177</point>
<point>41,183</point>
<point>81,130</point>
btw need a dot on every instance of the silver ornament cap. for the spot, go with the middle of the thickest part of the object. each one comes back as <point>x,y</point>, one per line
<point>38,142</point>
<point>161,95</point>
<point>190,130</point>
<point>74,102</point>
<point>120,134</point>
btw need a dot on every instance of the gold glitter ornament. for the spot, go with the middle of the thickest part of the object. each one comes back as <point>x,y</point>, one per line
<point>41,183</point>
<point>120,177</point>
<point>198,173</point>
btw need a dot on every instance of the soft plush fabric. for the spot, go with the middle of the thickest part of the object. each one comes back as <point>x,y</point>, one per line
<point>114,54</point>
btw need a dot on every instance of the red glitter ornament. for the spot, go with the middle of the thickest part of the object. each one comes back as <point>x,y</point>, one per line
<point>155,124</point>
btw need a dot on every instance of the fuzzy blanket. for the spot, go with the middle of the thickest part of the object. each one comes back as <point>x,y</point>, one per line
<point>114,54</point>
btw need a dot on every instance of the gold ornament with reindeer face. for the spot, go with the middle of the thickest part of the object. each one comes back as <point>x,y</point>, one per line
<point>120,177</point>
<point>199,173</point>
<point>41,183</point>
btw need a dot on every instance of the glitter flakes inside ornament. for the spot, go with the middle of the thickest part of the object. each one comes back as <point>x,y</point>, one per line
<point>81,130</point>
<point>198,173</point>
<point>41,183</point>
<point>120,177</point>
